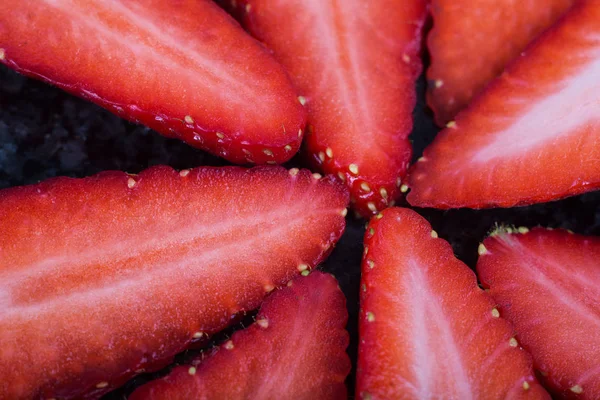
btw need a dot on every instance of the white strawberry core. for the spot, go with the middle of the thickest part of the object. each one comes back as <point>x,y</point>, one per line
<point>575,103</point>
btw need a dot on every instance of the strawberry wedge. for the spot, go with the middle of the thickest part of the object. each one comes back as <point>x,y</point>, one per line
<point>355,63</point>
<point>103,277</point>
<point>547,283</point>
<point>472,41</point>
<point>427,331</point>
<point>294,350</point>
<point>532,136</point>
<point>184,68</point>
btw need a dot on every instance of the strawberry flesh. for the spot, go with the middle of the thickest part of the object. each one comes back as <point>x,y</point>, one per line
<point>427,331</point>
<point>294,350</point>
<point>547,283</point>
<point>533,136</point>
<point>355,64</point>
<point>472,41</point>
<point>183,68</point>
<point>106,276</point>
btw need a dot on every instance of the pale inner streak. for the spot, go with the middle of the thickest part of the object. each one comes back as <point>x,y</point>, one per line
<point>574,104</point>
<point>209,62</point>
<point>432,329</point>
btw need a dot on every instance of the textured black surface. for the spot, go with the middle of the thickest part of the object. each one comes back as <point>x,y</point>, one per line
<point>45,132</point>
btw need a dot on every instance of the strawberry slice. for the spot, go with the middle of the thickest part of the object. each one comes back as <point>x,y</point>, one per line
<point>355,64</point>
<point>547,283</point>
<point>294,350</point>
<point>106,276</point>
<point>183,68</point>
<point>472,41</point>
<point>427,330</point>
<point>532,136</point>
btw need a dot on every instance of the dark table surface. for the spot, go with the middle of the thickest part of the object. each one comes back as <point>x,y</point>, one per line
<point>45,132</point>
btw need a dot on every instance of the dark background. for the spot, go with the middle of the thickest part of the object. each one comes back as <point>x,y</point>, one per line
<point>45,132</point>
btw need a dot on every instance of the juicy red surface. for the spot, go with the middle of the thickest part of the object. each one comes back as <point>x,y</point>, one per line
<point>472,41</point>
<point>547,283</point>
<point>427,331</point>
<point>296,350</point>
<point>355,63</point>
<point>157,62</point>
<point>532,136</point>
<point>105,276</point>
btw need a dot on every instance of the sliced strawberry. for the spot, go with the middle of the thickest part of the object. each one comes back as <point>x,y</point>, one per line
<point>427,331</point>
<point>183,68</point>
<point>355,63</point>
<point>534,134</point>
<point>473,40</point>
<point>294,350</point>
<point>547,283</point>
<point>105,276</point>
